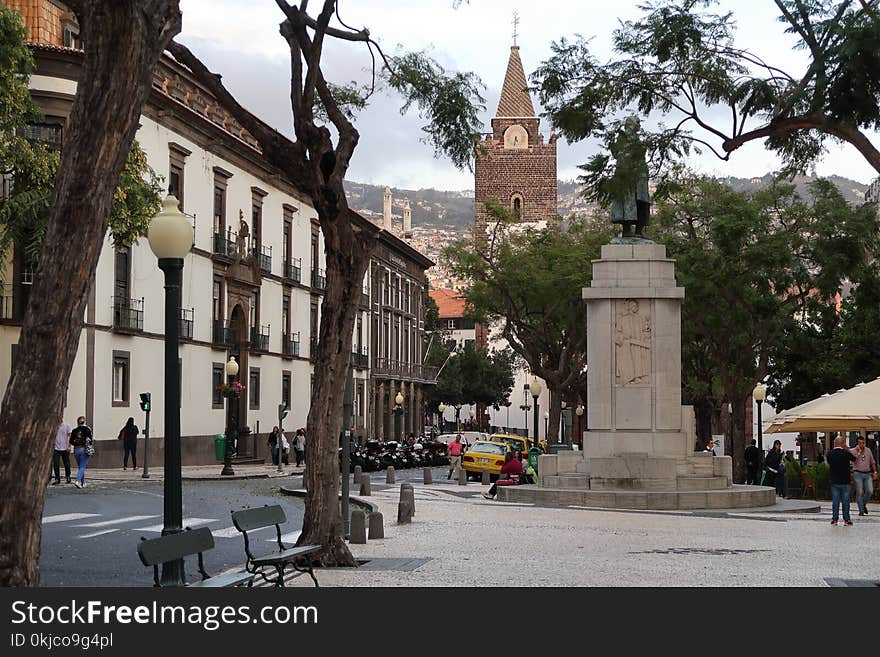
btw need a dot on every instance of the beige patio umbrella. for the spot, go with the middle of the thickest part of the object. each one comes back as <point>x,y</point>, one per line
<point>851,409</point>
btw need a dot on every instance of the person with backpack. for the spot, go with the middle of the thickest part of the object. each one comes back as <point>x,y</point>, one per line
<point>82,442</point>
<point>129,437</point>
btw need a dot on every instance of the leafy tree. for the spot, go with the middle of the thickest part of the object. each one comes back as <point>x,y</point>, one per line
<point>123,41</point>
<point>529,283</point>
<point>317,161</point>
<point>750,262</point>
<point>680,60</point>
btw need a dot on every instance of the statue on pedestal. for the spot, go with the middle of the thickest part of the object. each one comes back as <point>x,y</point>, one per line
<point>628,187</point>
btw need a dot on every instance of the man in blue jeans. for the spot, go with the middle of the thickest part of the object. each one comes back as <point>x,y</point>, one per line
<point>864,471</point>
<point>840,462</point>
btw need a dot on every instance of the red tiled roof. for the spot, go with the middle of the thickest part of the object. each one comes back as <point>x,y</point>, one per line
<point>450,303</point>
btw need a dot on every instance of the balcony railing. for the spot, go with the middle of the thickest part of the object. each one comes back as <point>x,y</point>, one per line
<point>186,323</point>
<point>319,281</point>
<point>290,344</point>
<point>128,314</point>
<point>263,256</point>
<point>360,360</point>
<point>225,244</point>
<point>222,333</point>
<point>396,369</point>
<point>293,270</point>
<point>260,338</point>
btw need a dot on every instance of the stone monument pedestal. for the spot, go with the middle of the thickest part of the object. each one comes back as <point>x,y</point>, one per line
<point>638,448</point>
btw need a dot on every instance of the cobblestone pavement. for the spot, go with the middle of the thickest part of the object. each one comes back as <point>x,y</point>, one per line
<point>458,538</point>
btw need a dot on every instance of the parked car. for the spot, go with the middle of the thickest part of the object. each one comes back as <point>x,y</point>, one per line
<point>517,443</point>
<point>484,455</point>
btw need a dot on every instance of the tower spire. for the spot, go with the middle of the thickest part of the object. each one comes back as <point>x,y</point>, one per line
<point>515,26</point>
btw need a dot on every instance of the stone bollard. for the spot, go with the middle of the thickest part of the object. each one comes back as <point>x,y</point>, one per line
<point>358,471</point>
<point>408,493</point>
<point>428,478</point>
<point>376,528</point>
<point>358,531</point>
<point>365,486</point>
<point>404,512</point>
<point>486,479</point>
<point>389,475</point>
<point>462,477</point>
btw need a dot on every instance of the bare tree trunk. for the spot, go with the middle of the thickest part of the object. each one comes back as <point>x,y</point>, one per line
<point>123,41</point>
<point>738,432</point>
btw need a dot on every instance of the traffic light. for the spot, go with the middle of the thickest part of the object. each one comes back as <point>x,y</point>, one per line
<point>282,411</point>
<point>145,402</point>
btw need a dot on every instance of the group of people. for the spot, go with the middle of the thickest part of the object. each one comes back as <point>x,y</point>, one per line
<point>280,446</point>
<point>847,467</point>
<point>516,470</point>
<point>78,441</point>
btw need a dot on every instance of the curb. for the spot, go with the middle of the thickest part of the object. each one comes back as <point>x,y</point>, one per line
<point>365,505</point>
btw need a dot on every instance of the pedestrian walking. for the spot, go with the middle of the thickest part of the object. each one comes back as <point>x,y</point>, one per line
<point>129,437</point>
<point>272,442</point>
<point>299,446</point>
<point>61,453</point>
<point>774,469</point>
<point>82,442</point>
<point>840,462</point>
<point>752,456</point>
<point>864,473</point>
<point>454,452</point>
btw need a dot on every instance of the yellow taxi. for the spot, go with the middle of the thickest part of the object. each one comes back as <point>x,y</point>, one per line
<point>517,443</point>
<point>484,455</point>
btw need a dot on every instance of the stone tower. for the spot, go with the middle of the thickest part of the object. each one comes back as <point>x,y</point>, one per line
<point>513,164</point>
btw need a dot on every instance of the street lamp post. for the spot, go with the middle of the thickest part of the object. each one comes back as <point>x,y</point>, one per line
<point>535,389</point>
<point>563,406</point>
<point>231,417</point>
<point>171,238</point>
<point>579,411</point>
<point>457,418</point>
<point>546,424</point>
<point>282,413</point>
<point>760,393</point>
<point>472,414</point>
<point>442,408</point>
<point>398,412</point>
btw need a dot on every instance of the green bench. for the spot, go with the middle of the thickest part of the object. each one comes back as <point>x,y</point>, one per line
<point>297,558</point>
<point>172,547</point>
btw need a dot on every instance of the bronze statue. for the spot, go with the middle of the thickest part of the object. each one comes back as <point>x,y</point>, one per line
<point>628,187</point>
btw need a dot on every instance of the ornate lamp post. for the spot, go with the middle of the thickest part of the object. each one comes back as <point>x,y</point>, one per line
<point>231,415</point>
<point>442,408</point>
<point>525,407</point>
<point>563,405</point>
<point>760,393</point>
<point>457,418</point>
<point>546,424</point>
<point>472,415</point>
<point>535,389</point>
<point>579,411</point>
<point>171,237</point>
<point>398,412</point>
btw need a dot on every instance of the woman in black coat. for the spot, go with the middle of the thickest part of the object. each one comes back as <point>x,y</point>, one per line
<point>129,437</point>
<point>774,468</point>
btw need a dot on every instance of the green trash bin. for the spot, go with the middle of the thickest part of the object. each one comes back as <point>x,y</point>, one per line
<point>534,453</point>
<point>220,447</point>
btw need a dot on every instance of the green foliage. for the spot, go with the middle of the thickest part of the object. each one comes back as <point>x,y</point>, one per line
<point>350,99</point>
<point>451,104</point>
<point>679,59</point>
<point>792,468</point>
<point>32,165</point>
<point>474,376</point>
<point>820,473</point>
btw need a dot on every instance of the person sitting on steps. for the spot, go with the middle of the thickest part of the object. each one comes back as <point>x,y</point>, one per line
<point>511,475</point>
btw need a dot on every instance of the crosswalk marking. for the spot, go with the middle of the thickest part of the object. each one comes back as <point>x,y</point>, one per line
<point>98,533</point>
<point>117,521</point>
<point>187,522</point>
<point>64,517</point>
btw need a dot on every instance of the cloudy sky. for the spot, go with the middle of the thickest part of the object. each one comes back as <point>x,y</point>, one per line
<point>239,39</point>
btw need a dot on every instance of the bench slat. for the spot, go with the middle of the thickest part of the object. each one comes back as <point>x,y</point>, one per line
<point>229,579</point>
<point>288,555</point>
<point>249,519</point>
<point>175,546</point>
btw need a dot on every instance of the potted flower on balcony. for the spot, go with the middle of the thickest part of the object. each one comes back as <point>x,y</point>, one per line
<point>233,389</point>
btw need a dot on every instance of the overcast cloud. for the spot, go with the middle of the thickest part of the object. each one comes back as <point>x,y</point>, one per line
<point>239,39</point>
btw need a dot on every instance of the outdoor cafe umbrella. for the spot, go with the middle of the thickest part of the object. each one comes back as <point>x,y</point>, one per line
<point>850,409</point>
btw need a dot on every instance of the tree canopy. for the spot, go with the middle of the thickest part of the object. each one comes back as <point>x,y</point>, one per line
<point>679,62</point>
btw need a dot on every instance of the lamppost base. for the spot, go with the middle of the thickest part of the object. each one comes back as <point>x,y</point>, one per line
<point>145,476</point>
<point>227,470</point>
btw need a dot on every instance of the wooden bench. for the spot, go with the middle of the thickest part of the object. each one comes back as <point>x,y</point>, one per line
<point>171,547</point>
<point>297,558</point>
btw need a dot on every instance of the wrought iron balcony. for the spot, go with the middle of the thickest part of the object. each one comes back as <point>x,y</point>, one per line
<point>128,314</point>
<point>263,256</point>
<point>186,323</point>
<point>360,360</point>
<point>319,281</point>
<point>290,344</point>
<point>225,244</point>
<point>260,338</point>
<point>293,270</point>
<point>222,333</point>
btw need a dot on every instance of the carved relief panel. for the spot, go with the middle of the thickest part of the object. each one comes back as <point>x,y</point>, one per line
<point>632,342</point>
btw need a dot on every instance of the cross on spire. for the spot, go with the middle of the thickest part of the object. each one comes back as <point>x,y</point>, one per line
<point>515,25</point>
